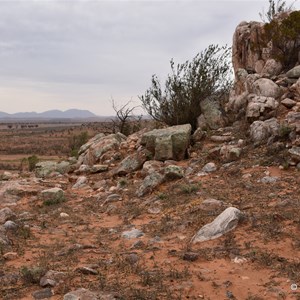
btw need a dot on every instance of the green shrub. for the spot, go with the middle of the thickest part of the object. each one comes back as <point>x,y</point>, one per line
<point>275,8</point>
<point>32,275</point>
<point>32,161</point>
<point>190,188</point>
<point>207,75</point>
<point>285,36</point>
<point>76,141</point>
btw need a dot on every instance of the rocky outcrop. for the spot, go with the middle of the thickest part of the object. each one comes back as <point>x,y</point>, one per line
<point>94,150</point>
<point>50,168</point>
<point>168,143</point>
<point>266,96</point>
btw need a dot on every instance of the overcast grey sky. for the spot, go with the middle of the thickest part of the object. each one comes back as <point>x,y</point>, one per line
<point>61,54</point>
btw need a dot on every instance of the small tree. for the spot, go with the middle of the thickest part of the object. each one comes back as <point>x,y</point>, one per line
<point>208,74</point>
<point>123,115</point>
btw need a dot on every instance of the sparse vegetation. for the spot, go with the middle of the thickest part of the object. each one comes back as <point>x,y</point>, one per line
<point>76,141</point>
<point>32,275</point>
<point>178,102</point>
<point>284,35</point>
<point>126,122</point>
<point>275,7</point>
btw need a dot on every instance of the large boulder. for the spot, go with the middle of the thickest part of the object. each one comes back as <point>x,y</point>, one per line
<point>272,67</point>
<point>224,223</point>
<point>132,163</point>
<point>266,87</point>
<point>260,106</point>
<point>260,131</point>
<point>45,168</point>
<point>94,149</point>
<point>168,143</point>
<point>244,56</point>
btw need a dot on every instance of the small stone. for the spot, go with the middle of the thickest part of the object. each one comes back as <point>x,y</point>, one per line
<point>211,204</point>
<point>113,189</point>
<point>10,225</point>
<point>5,214</point>
<point>53,196</point>
<point>99,168</point>
<point>113,197</point>
<point>51,278</point>
<point>173,172</point>
<point>43,294</point>
<point>138,245</point>
<point>132,258</point>
<point>10,255</point>
<point>46,282</point>
<point>209,167</point>
<point>239,260</point>
<point>84,294</point>
<point>190,256</point>
<point>63,215</point>
<point>80,183</point>
<point>154,210</point>
<point>288,103</point>
<point>87,271</point>
<point>132,234</point>
<point>268,179</point>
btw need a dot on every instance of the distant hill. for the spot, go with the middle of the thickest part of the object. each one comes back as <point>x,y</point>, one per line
<point>50,114</point>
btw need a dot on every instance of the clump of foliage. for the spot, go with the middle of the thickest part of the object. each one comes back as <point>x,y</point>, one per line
<point>284,35</point>
<point>53,201</point>
<point>32,161</point>
<point>208,74</point>
<point>275,8</point>
<point>32,275</point>
<point>29,162</point>
<point>76,141</point>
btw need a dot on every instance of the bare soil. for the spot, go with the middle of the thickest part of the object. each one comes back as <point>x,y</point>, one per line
<point>258,260</point>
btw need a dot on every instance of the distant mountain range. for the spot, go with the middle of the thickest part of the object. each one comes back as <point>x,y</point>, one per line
<point>50,114</point>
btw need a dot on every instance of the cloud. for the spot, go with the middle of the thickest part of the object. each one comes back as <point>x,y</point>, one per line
<point>69,49</point>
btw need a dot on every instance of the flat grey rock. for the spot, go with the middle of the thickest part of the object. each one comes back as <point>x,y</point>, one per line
<point>223,223</point>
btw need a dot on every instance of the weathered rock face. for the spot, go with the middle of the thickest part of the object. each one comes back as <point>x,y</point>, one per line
<point>244,56</point>
<point>260,106</point>
<point>262,92</point>
<point>132,162</point>
<point>260,131</point>
<point>48,168</point>
<point>266,87</point>
<point>91,153</point>
<point>168,143</point>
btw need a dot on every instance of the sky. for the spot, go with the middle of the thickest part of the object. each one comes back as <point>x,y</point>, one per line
<point>64,54</point>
